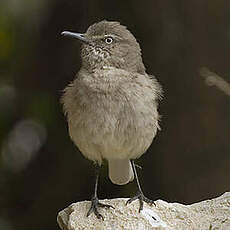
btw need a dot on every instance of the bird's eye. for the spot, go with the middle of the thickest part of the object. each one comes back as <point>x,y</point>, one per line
<point>109,40</point>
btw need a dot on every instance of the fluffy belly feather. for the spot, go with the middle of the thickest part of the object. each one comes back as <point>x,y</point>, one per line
<point>111,114</point>
<point>112,130</point>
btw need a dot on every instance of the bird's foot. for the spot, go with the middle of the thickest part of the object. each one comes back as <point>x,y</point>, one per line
<point>140,196</point>
<point>95,204</point>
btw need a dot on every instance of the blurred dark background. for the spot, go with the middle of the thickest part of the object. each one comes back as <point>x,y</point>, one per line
<point>42,172</point>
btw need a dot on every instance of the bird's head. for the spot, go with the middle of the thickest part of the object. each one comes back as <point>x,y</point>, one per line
<point>109,44</point>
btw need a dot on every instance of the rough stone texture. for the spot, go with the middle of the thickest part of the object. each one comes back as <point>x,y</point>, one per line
<point>208,215</point>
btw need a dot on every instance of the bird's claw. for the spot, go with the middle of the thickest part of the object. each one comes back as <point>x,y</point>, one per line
<point>95,204</point>
<point>140,196</point>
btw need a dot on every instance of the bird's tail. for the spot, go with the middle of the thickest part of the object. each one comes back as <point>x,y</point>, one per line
<point>120,171</point>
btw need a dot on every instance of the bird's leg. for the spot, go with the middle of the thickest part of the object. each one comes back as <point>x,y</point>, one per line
<point>140,196</point>
<point>95,204</point>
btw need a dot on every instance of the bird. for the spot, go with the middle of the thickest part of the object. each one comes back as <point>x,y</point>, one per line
<point>111,106</point>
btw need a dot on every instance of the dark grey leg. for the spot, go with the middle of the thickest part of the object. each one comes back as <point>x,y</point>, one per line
<point>140,196</point>
<point>95,204</point>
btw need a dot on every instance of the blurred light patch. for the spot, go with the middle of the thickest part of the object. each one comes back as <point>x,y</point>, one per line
<point>212,78</point>
<point>22,144</point>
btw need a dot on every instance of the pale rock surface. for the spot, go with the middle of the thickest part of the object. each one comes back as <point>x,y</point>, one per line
<point>206,215</point>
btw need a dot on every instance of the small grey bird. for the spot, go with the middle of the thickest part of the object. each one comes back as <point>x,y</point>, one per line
<point>111,105</point>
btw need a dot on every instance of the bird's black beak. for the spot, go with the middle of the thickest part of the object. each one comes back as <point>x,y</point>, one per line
<point>79,36</point>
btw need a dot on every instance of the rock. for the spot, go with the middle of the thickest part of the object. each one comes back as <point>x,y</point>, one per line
<point>206,215</point>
